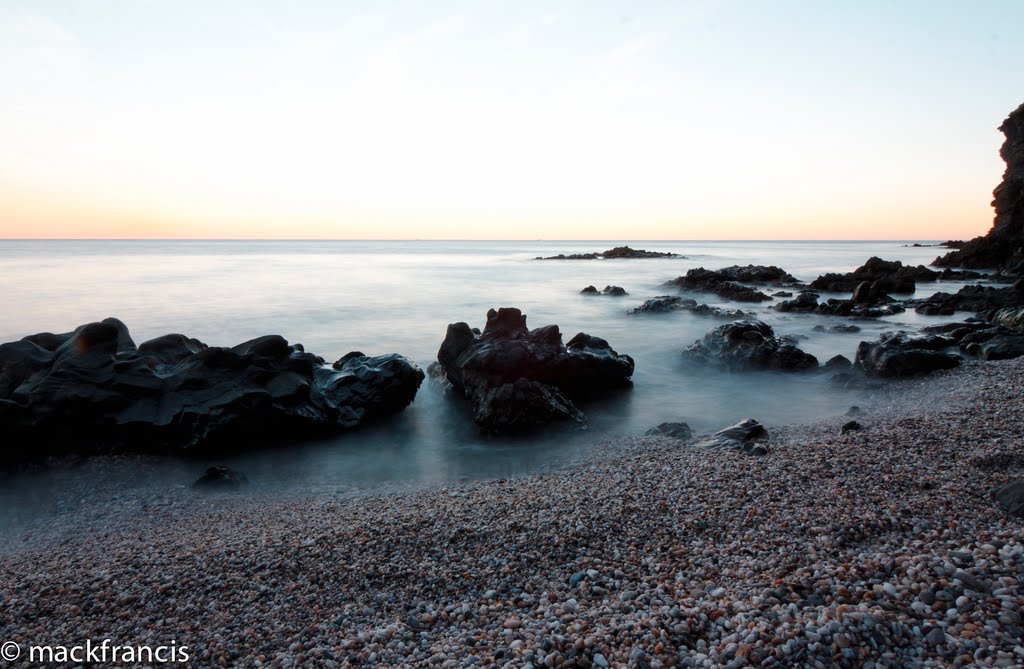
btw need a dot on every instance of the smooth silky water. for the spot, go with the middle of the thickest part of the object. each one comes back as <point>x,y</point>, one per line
<point>381,297</point>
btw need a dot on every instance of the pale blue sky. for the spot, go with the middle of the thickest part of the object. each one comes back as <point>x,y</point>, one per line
<point>504,119</point>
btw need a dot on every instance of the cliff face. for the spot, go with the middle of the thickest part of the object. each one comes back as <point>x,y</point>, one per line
<point>1003,246</point>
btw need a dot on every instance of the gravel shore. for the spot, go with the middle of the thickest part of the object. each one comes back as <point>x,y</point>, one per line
<point>876,548</point>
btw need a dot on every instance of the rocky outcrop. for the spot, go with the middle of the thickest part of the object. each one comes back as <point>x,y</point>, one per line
<point>853,309</point>
<point>718,283</point>
<point>617,253</point>
<point>221,478</point>
<point>744,436</point>
<point>95,390</point>
<point>882,276</point>
<point>899,354</point>
<point>517,379</point>
<point>985,300</point>
<point>667,303</point>
<point>805,302</point>
<point>748,344</point>
<point>614,291</point>
<point>1003,246</point>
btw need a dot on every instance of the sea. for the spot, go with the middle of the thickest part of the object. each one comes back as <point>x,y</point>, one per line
<point>399,296</point>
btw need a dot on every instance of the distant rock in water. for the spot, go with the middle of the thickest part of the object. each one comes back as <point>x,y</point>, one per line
<point>617,253</point>
<point>93,390</point>
<point>518,379</point>
<point>614,291</point>
<point>982,300</point>
<point>805,302</point>
<point>746,345</point>
<point>664,304</point>
<point>898,354</point>
<point>883,276</point>
<point>1003,247</point>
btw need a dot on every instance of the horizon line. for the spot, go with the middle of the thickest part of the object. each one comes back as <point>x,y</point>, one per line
<point>449,239</point>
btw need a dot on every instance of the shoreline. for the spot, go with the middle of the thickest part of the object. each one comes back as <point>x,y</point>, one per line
<point>882,546</point>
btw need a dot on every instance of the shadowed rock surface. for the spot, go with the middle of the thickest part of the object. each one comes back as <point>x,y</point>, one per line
<point>93,390</point>
<point>742,436</point>
<point>673,430</point>
<point>724,282</point>
<point>1003,246</point>
<point>898,354</point>
<point>748,344</point>
<point>890,276</point>
<point>518,379</point>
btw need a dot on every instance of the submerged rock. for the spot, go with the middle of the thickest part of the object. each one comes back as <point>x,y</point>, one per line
<point>1011,498</point>
<point>518,379</point>
<point>614,291</point>
<point>898,354</point>
<point>748,344</point>
<point>93,390</point>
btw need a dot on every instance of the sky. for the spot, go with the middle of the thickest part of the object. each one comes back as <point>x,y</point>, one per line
<point>492,119</point>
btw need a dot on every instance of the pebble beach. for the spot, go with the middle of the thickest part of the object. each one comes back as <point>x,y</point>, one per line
<point>875,548</point>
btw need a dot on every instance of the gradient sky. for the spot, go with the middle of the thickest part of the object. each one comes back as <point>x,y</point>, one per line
<point>504,119</point>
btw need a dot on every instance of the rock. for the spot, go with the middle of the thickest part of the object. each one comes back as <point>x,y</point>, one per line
<point>748,344</point>
<point>882,277</point>
<point>668,303</point>
<point>762,274</point>
<point>1003,246</point>
<point>841,328</point>
<point>979,299</point>
<point>617,253</point>
<point>518,379</point>
<point>673,430</point>
<point>1011,498</point>
<point>1000,347</point>
<point>805,302</point>
<point>854,410</point>
<point>615,291</point>
<point>93,390</point>
<point>851,309</point>
<point>838,362</point>
<point>782,293</point>
<point>1011,317</point>
<point>742,436</point>
<point>590,290</point>
<point>718,283</point>
<point>221,478</point>
<point>850,426</point>
<point>901,354</point>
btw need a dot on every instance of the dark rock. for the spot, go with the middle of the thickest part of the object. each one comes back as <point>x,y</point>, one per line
<point>718,283</point>
<point>851,426</point>
<point>1003,246</point>
<point>673,430</point>
<point>979,299</point>
<point>782,293</point>
<point>590,290</point>
<point>517,379</point>
<point>838,362</point>
<point>901,354</point>
<point>221,478</point>
<point>851,309</point>
<point>1011,317</point>
<point>615,291</point>
<point>762,274</point>
<point>748,344</point>
<point>841,328</point>
<point>854,411</point>
<point>93,390</point>
<point>1000,347</point>
<point>1011,498</point>
<point>742,436</point>
<point>668,303</point>
<point>619,252</point>
<point>884,276</point>
<point>805,302</point>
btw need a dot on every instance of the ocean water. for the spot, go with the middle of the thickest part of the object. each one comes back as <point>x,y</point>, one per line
<point>385,296</point>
